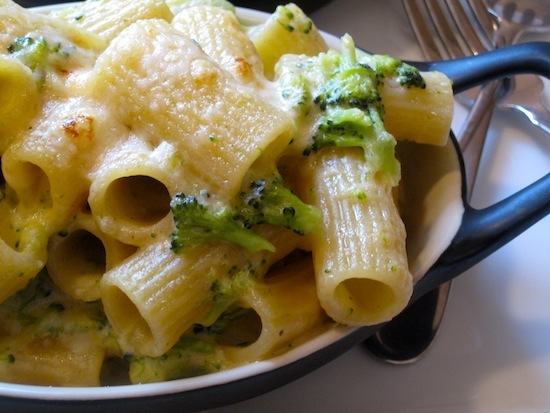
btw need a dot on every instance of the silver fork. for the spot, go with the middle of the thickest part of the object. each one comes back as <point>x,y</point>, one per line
<point>451,35</point>
<point>512,19</point>
<point>479,31</point>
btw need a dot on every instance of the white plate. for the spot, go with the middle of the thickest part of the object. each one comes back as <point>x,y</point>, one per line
<point>493,351</point>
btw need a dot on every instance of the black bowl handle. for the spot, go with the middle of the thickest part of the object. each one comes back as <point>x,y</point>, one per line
<point>530,57</point>
<point>484,231</point>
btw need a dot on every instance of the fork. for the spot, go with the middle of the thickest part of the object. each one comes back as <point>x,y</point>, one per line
<point>406,338</point>
<point>450,29</point>
<point>483,31</point>
<point>514,18</point>
<point>504,25</point>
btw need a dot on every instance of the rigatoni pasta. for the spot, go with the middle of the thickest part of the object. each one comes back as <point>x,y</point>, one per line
<point>420,115</point>
<point>287,31</point>
<point>189,192</point>
<point>287,310</point>
<point>360,259</point>
<point>97,16</point>
<point>80,255</point>
<point>131,190</point>
<point>18,101</point>
<point>172,91</point>
<point>223,40</point>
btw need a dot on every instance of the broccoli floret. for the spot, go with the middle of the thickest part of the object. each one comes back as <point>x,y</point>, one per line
<point>267,201</point>
<point>356,128</point>
<point>39,56</point>
<point>345,128</point>
<point>353,87</point>
<point>410,76</point>
<point>343,88</point>
<point>387,66</point>
<point>196,223</point>
<point>32,52</point>
<point>350,106</point>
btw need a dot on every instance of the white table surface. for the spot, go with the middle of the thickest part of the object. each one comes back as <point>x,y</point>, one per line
<point>493,350</point>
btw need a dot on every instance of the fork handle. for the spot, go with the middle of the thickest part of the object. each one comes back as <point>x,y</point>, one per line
<point>537,114</point>
<point>467,72</point>
<point>472,136</point>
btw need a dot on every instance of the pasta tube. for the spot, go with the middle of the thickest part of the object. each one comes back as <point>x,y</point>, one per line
<point>52,362</point>
<point>131,190</point>
<point>18,100</point>
<point>287,31</point>
<point>286,309</point>
<point>215,123</point>
<point>16,21</point>
<point>153,297</point>
<point>79,256</point>
<point>360,260</point>
<point>220,35</point>
<point>107,18</point>
<point>36,166</point>
<point>49,339</point>
<point>18,267</point>
<point>421,115</point>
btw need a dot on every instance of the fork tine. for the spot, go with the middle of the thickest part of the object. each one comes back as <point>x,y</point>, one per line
<point>423,34</point>
<point>464,17</point>
<point>438,23</point>
<point>486,22</point>
<point>446,29</point>
<point>451,37</point>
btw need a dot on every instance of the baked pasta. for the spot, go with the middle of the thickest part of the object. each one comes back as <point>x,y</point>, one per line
<point>183,192</point>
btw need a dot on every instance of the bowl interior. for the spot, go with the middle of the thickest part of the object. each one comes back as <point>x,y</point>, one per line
<point>431,201</point>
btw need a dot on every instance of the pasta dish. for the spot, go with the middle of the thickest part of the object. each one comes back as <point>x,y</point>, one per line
<point>182,192</point>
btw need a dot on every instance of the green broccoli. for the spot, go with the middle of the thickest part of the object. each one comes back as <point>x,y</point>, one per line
<point>344,87</point>
<point>32,52</point>
<point>387,66</point>
<point>267,201</point>
<point>353,127</point>
<point>410,76</point>
<point>39,56</point>
<point>196,223</point>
